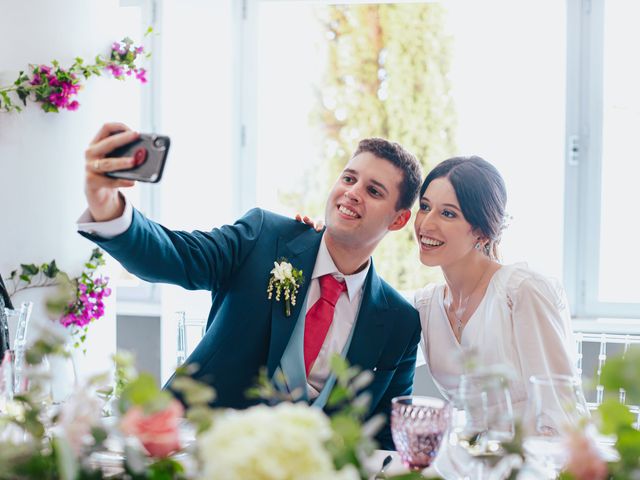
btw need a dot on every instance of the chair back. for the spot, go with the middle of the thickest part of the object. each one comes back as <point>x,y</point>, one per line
<point>190,332</point>
<point>593,350</point>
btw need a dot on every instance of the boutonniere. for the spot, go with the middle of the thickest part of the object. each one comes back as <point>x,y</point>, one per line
<point>285,278</point>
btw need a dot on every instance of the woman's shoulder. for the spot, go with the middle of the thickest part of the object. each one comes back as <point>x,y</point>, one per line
<point>423,297</point>
<point>519,280</point>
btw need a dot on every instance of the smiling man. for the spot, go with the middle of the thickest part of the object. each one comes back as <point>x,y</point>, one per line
<point>343,307</point>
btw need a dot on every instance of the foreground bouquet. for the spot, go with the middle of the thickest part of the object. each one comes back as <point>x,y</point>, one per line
<point>286,441</point>
<point>55,88</point>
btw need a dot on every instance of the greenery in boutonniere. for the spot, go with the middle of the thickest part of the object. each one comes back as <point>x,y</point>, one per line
<point>55,88</point>
<point>80,300</point>
<point>285,279</point>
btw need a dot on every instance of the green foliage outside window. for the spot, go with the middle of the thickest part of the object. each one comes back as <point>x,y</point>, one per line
<point>386,76</point>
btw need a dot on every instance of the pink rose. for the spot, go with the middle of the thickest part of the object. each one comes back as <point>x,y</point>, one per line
<point>585,462</point>
<point>158,432</point>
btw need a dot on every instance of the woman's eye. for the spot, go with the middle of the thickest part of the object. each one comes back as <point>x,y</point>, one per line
<point>448,214</point>
<point>424,207</point>
<point>348,179</point>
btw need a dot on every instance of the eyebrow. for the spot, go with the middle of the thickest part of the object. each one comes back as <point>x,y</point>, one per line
<point>450,205</point>
<point>375,182</point>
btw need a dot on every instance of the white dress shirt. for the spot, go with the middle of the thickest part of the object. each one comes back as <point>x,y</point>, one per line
<point>344,317</point>
<point>346,309</point>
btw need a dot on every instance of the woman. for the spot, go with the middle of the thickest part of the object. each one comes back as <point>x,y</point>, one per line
<point>504,314</point>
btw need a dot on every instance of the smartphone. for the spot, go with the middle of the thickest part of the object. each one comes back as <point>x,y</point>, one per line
<point>150,151</point>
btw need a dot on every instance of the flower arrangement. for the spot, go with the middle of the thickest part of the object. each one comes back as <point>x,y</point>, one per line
<point>285,278</point>
<point>80,300</point>
<point>286,441</point>
<point>55,88</point>
<point>613,418</point>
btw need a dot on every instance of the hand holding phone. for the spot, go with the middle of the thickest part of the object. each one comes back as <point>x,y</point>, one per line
<point>150,154</point>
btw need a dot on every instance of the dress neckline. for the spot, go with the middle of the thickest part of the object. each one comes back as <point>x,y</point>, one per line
<point>473,315</point>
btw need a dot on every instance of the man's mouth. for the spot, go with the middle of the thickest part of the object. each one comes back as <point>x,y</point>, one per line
<point>430,242</point>
<point>347,211</point>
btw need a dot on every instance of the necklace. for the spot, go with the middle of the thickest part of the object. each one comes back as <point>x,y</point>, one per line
<point>458,311</point>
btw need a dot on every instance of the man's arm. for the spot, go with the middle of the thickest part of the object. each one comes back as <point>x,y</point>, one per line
<point>401,384</point>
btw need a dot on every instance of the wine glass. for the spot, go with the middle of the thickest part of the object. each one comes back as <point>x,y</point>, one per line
<point>418,425</point>
<point>556,407</point>
<point>482,423</point>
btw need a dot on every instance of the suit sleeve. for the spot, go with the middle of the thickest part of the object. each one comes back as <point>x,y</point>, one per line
<point>193,260</point>
<point>401,384</point>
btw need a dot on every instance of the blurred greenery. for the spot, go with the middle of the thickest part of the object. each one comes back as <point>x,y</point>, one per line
<point>387,75</point>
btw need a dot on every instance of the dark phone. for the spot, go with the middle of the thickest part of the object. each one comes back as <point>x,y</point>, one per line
<point>150,152</point>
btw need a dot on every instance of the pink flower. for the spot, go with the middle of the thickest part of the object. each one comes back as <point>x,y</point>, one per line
<point>585,462</point>
<point>141,75</point>
<point>158,432</point>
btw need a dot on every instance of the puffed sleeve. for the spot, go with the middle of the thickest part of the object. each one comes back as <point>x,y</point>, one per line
<point>542,328</point>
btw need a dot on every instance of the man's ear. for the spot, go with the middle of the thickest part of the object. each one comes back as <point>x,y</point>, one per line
<point>402,217</point>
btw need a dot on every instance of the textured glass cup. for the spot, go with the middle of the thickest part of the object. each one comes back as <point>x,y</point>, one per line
<point>418,425</point>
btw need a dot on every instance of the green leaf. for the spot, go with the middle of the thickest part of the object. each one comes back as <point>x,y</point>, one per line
<point>25,278</point>
<point>29,269</point>
<point>614,416</point>
<point>628,445</point>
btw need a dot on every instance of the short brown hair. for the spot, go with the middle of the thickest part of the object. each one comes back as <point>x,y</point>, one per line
<point>402,159</point>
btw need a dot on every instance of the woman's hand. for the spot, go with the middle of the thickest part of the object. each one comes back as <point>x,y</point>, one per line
<point>318,225</point>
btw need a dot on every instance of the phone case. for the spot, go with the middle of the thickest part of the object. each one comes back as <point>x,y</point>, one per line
<point>153,148</point>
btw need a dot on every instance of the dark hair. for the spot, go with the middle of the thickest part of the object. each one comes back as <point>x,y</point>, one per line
<point>400,158</point>
<point>481,193</point>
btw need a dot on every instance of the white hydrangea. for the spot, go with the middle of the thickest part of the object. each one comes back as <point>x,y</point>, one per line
<point>285,442</point>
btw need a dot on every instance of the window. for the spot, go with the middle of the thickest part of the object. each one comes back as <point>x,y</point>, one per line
<point>602,172</point>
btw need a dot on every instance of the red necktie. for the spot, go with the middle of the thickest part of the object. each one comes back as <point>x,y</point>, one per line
<point>319,318</point>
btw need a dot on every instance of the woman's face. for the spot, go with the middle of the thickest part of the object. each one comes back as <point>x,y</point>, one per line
<point>444,236</point>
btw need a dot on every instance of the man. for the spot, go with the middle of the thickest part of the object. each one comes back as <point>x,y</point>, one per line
<point>342,307</point>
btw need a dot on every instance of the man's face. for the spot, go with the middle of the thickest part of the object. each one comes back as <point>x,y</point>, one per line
<point>361,207</point>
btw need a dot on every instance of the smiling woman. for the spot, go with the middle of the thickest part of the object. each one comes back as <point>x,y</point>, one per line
<point>504,314</point>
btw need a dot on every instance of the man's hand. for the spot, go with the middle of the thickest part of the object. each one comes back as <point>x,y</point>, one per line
<point>101,191</point>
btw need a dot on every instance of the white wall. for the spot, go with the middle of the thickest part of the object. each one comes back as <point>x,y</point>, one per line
<point>41,155</point>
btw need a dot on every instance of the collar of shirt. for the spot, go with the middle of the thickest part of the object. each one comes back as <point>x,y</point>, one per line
<point>325,265</point>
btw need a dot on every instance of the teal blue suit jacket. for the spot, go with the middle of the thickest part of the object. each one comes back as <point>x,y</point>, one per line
<point>246,330</point>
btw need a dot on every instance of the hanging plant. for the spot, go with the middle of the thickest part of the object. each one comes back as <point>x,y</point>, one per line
<point>55,88</point>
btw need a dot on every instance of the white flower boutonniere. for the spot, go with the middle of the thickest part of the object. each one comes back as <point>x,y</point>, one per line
<point>285,278</point>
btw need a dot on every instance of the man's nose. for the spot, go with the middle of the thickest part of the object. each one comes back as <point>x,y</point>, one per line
<point>354,194</point>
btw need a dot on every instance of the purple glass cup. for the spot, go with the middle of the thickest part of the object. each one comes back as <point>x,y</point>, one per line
<point>418,425</point>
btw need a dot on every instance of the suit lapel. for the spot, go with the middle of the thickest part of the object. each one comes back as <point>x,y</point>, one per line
<point>372,324</point>
<point>301,252</point>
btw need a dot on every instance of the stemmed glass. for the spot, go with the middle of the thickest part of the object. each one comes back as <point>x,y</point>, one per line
<point>482,422</point>
<point>556,407</point>
<point>418,425</point>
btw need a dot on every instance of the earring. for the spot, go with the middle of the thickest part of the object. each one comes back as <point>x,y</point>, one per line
<point>477,246</point>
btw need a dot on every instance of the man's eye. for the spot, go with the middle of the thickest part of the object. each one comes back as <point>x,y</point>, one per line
<point>348,179</point>
<point>374,191</point>
<point>448,214</point>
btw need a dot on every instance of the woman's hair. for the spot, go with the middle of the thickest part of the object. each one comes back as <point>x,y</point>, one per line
<point>481,194</point>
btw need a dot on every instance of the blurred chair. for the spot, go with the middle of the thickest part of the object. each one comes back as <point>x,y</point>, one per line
<point>19,316</point>
<point>605,345</point>
<point>190,332</point>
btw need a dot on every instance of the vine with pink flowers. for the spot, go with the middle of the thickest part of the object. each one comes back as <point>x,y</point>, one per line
<point>55,88</point>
